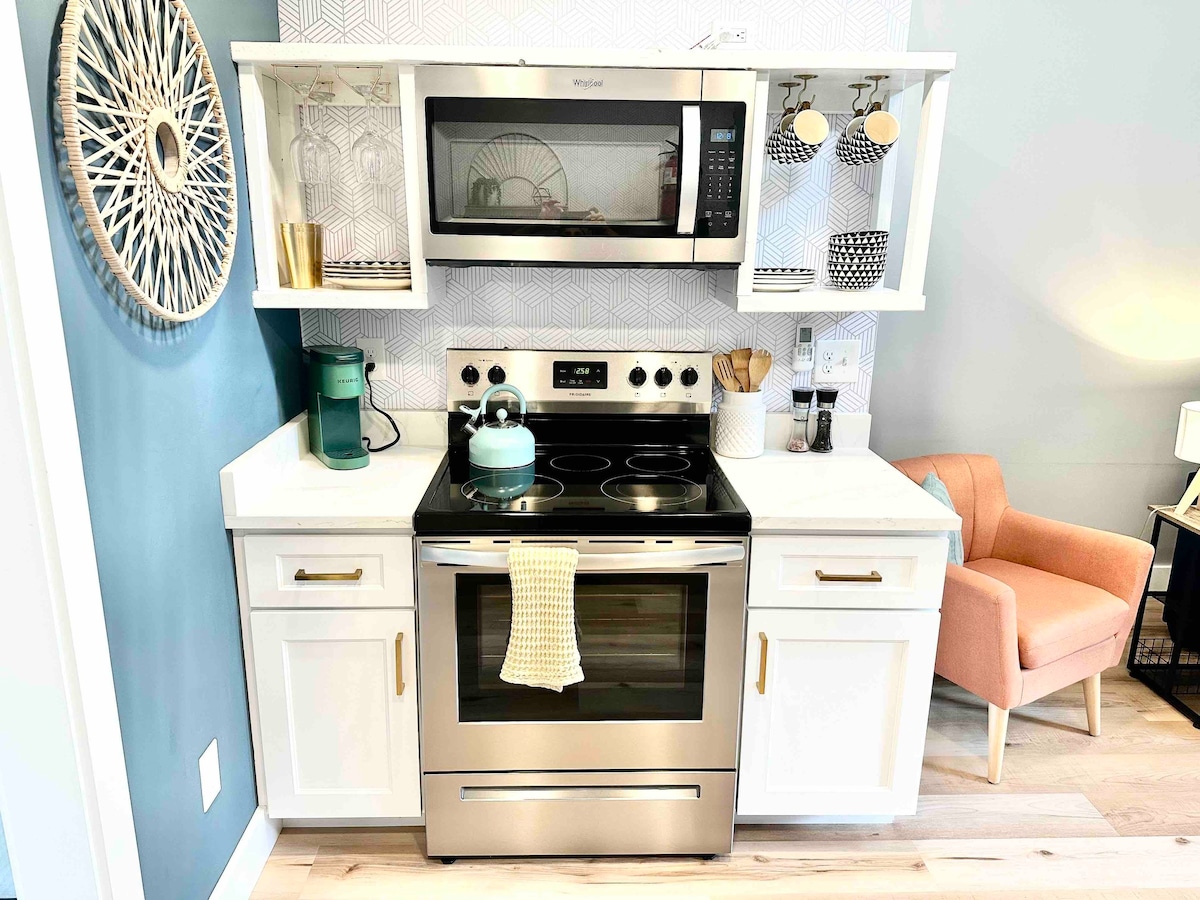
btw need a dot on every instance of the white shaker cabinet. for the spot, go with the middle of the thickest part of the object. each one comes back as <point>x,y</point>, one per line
<point>834,711</point>
<point>337,707</point>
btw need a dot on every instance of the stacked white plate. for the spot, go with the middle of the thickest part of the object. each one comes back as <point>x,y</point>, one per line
<point>780,279</point>
<point>369,274</point>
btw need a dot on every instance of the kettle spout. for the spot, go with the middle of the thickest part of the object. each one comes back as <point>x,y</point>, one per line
<point>469,426</point>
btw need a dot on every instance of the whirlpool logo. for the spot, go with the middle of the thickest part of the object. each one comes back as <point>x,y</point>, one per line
<point>588,83</point>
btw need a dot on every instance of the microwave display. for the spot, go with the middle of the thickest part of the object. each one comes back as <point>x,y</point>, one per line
<point>722,135</point>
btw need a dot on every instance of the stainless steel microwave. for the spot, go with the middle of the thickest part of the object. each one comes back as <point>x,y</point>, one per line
<point>584,166</point>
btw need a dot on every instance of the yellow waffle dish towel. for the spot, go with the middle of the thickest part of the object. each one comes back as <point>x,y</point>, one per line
<point>542,649</point>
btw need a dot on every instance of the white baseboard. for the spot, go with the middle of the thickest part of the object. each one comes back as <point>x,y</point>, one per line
<point>813,820</point>
<point>249,857</point>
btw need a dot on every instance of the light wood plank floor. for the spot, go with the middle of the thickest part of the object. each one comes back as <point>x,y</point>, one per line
<point>1075,817</point>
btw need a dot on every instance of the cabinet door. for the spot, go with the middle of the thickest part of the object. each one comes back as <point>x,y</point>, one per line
<point>838,728</point>
<point>337,701</point>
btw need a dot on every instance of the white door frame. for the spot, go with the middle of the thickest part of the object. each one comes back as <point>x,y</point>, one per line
<point>64,793</point>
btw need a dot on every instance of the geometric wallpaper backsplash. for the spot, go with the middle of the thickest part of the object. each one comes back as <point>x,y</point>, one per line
<point>591,309</point>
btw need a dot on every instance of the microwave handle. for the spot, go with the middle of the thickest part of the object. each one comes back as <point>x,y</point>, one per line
<point>689,170</point>
<point>594,562</point>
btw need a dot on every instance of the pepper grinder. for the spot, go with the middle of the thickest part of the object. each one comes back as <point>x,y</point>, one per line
<point>823,442</point>
<point>801,404</point>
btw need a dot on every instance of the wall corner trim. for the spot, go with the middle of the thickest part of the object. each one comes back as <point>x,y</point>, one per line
<point>249,858</point>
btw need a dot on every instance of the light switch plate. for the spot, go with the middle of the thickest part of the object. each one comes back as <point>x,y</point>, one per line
<point>210,775</point>
<point>836,362</point>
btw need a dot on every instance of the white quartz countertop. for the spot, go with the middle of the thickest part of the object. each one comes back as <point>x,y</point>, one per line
<point>279,485</point>
<point>846,490</point>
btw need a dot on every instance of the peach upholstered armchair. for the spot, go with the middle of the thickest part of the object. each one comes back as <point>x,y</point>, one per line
<point>1037,604</point>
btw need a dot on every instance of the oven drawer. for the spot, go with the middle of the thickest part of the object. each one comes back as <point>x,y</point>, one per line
<point>848,572</point>
<point>324,570</point>
<point>578,813</point>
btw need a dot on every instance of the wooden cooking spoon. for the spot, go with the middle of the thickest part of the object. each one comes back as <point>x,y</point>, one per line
<point>760,365</point>
<point>741,366</point>
<point>723,369</point>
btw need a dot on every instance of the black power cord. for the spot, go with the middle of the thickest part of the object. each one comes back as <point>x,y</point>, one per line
<point>367,370</point>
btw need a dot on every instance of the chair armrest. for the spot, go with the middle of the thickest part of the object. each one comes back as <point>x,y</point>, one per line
<point>977,645</point>
<point>1116,563</point>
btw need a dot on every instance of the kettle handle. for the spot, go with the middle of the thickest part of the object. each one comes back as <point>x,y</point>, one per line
<point>495,389</point>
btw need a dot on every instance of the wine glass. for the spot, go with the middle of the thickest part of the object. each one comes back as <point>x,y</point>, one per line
<point>373,155</point>
<point>310,152</point>
<point>322,96</point>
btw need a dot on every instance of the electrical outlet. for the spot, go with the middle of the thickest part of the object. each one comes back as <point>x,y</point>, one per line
<point>373,350</point>
<point>836,362</point>
<point>729,33</point>
<point>210,775</point>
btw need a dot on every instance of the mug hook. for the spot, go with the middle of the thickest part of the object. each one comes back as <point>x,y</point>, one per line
<point>860,87</point>
<point>870,97</point>
<point>789,85</point>
<point>801,102</point>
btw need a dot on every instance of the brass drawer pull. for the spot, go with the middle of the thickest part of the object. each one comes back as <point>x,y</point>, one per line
<point>873,578</point>
<point>399,664</point>
<point>301,575</point>
<point>762,662</point>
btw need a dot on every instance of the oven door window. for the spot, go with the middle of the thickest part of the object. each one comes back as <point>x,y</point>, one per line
<point>641,647</point>
<point>600,168</point>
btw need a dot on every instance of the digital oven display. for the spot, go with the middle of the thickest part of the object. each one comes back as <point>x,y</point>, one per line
<point>589,375</point>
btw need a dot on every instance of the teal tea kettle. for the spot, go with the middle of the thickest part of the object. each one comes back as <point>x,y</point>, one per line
<point>501,453</point>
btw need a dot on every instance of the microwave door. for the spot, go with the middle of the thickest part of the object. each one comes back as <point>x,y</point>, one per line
<point>689,170</point>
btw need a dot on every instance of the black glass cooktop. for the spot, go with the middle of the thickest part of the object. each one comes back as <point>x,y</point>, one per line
<point>656,486</point>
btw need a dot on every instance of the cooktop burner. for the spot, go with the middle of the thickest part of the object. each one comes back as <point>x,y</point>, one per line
<point>657,462</point>
<point>580,462</point>
<point>652,492</point>
<point>511,490</point>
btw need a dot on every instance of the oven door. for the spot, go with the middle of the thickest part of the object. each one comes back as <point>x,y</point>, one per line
<point>659,624</point>
<point>528,164</point>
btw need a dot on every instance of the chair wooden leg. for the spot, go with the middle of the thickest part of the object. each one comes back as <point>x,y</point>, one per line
<point>1091,699</point>
<point>997,731</point>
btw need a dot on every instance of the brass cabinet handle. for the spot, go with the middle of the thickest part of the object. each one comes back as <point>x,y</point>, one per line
<point>873,578</point>
<point>762,662</point>
<point>399,664</point>
<point>301,575</point>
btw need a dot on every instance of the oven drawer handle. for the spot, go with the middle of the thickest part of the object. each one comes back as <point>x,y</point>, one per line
<point>635,792</point>
<point>594,562</point>
<point>873,578</point>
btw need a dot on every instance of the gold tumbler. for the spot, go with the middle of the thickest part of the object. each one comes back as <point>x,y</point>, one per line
<point>303,253</point>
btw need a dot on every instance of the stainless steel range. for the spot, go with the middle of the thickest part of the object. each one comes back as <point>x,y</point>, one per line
<point>638,758</point>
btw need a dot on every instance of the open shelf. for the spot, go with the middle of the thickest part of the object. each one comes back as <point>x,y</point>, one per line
<point>338,298</point>
<point>824,299</point>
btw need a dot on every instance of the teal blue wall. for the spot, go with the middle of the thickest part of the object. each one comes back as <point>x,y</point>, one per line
<point>160,410</point>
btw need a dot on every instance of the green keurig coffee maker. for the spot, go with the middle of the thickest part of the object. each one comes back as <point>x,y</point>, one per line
<point>335,384</point>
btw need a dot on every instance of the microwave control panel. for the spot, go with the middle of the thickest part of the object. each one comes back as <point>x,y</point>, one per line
<point>722,139</point>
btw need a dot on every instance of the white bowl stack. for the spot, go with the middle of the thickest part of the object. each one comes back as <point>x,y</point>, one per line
<point>782,279</point>
<point>369,274</point>
<point>857,259</point>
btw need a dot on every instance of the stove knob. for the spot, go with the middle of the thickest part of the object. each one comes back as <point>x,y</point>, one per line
<point>496,375</point>
<point>637,376</point>
<point>470,375</point>
<point>662,377</point>
<point>689,377</point>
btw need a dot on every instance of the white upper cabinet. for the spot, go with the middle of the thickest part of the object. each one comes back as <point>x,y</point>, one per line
<point>404,209</point>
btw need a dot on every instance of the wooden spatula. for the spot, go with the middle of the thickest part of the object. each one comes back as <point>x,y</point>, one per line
<point>741,366</point>
<point>723,369</point>
<point>760,365</point>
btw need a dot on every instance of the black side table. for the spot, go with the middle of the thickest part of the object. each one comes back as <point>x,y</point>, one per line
<point>1171,669</point>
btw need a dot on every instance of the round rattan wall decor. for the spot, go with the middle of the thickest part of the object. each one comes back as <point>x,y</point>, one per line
<point>149,150</point>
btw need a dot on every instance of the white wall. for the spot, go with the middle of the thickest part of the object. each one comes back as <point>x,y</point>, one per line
<point>1063,322</point>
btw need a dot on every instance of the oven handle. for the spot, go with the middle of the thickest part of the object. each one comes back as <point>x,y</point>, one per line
<point>689,170</point>
<point>594,562</point>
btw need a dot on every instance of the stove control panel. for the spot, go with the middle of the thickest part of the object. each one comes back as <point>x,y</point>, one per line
<point>655,381</point>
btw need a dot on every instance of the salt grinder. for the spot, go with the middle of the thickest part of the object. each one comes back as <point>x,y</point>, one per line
<point>823,442</point>
<point>801,404</point>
